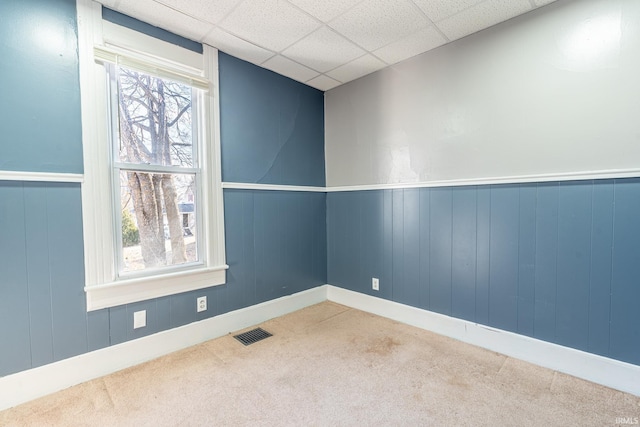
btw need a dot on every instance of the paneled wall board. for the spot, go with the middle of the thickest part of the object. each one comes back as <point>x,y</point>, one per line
<point>14,304</point>
<point>43,315</point>
<point>624,339</point>
<point>554,261</point>
<point>276,246</point>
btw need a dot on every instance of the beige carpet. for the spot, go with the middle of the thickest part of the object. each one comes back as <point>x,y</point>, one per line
<point>330,365</point>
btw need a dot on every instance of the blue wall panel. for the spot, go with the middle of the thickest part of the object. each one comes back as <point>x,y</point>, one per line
<point>14,303</point>
<point>600,267</point>
<point>625,286</point>
<point>386,277</point>
<point>463,278</point>
<point>527,259</point>
<point>483,240</point>
<point>411,248</point>
<point>424,300</point>
<point>574,257</point>
<point>39,86</point>
<point>98,329</point>
<point>397,246</point>
<point>39,282</point>
<point>272,237</point>
<point>440,225</point>
<point>66,258</point>
<point>371,238</point>
<point>42,275</point>
<point>503,258</point>
<point>557,261</point>
<point>544,326</point>
<point>272,128</point>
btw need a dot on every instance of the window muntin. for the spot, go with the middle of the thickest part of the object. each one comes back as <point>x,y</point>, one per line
<point>156,165</point>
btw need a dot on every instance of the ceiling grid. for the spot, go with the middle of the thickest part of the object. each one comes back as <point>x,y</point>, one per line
<point>324,43</point>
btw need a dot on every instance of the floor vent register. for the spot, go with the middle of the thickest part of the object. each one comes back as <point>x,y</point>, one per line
<point>252,336</point>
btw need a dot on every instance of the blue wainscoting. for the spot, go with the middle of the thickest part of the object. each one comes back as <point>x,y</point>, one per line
<point>271,125</point>
<point>42,308</point>
<point>556,261</point>
<point>276,246</point>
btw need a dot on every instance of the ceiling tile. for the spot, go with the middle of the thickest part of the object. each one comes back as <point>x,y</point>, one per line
<point>324,10</point>
<point>542,2</point>
<point>323,82</point>
<point>323,50</point>
<point>237,47</point>
<point>481,16</point>
<point>162,16</point>
<point>111,4</point>
<point>438,10</point>
<point>357,68</point>
<point>415,44</point>
<point>287,67</point>
<point>375,23</point>
<point>206,10</point>
<point>274,24</point>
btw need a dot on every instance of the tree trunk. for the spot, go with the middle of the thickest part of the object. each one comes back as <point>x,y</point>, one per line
<point>146,209</point>
<point>178,249</point>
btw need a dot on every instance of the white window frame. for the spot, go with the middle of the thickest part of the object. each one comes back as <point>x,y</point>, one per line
<point>101,41</point>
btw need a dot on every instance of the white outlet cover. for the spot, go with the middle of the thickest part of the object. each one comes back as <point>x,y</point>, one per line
<point>201,304</point>
<point>139,319</point>
<point>375,283</point>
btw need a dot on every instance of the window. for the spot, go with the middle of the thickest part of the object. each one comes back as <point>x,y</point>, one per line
<point>152,202</point>
<point>157,168</point>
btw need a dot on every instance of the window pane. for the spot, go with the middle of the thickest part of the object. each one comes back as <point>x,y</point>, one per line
<point>155,120</point>
<point>158,220</point>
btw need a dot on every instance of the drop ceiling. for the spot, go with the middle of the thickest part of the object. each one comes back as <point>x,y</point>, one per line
<point>324,43</point>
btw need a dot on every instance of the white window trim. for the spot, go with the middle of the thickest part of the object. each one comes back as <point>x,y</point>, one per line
<point>101,286</point>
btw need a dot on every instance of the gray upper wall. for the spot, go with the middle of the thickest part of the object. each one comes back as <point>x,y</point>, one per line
<point>553,91</point>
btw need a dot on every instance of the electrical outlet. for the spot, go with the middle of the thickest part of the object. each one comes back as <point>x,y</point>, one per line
<point>375,283</point>
<point>139,319</point>
<point>201,304</point>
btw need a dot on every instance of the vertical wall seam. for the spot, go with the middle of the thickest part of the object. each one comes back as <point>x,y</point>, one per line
<point>53,337</point>
<point>489,259</point>
<point>535,251</point>
<point>611,275</point>
<point>451,259</point>
<point>475,273</point>
<point>26,267</point>
<point>430,269</point>
<point>590,268</point>
<point>419,244</point>
<point>555,311</point>
<point>518,269</point>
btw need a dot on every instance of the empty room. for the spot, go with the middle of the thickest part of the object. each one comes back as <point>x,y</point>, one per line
<point>307,212</point>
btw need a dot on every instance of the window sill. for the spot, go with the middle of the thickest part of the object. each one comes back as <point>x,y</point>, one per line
<point>145,288</point>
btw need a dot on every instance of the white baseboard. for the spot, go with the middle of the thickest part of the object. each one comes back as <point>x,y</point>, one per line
<point>28,385</point>
<point>601,370</point>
